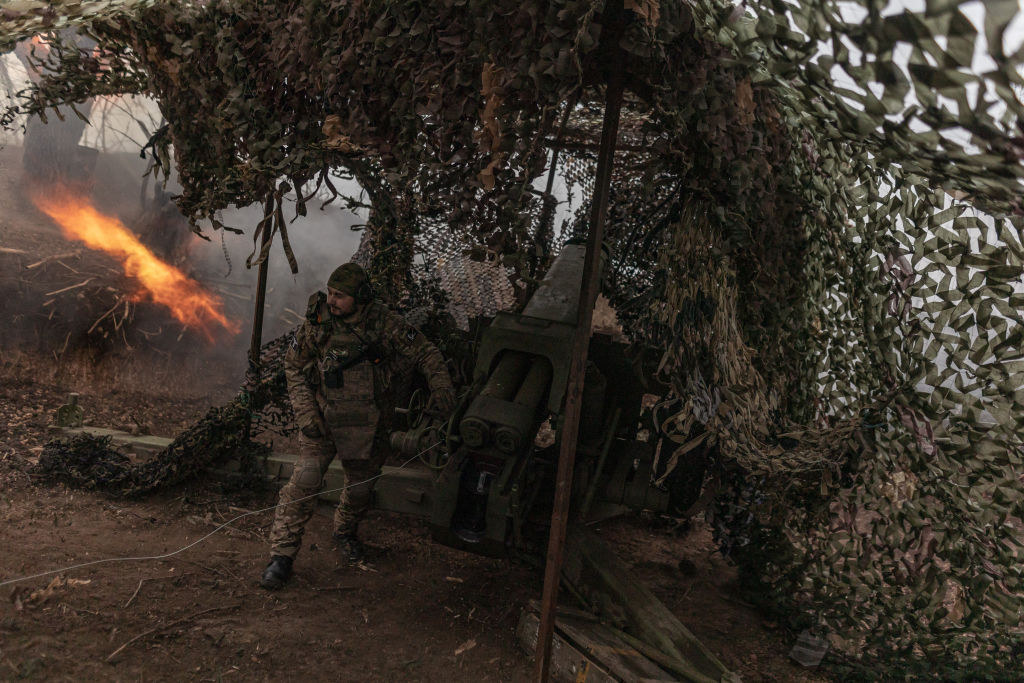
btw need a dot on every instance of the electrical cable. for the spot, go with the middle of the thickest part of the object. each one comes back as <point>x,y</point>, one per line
<point>203,538</point>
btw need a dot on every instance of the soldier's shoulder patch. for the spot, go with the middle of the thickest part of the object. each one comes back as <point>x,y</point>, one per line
<point>295,340</point>
<point>410,334</point>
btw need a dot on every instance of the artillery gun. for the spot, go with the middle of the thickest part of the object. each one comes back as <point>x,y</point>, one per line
<point>492,471</point>
<point>490,479</point>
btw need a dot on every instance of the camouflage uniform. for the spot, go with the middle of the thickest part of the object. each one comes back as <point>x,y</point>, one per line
<point>341,373</point>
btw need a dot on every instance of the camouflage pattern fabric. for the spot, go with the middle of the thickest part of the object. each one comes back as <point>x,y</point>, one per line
<point>341,372</point>
<point>398,347</point>
<point>858,165</point>
<point>315,455</point>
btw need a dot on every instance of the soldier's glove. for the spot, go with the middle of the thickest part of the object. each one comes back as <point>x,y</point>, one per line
<point>442,402</point>
<point>310,428</point>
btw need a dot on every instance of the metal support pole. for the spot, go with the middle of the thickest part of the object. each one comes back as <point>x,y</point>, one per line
<point>547,213</point>
<point>577,368</point>
<point>542,235</point>
<point>261,286</point>
<point>252,375</point>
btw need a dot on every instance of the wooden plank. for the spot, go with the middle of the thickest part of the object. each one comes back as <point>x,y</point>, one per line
<point>407,490</point>
<point>620,658</point>
<point>145,443</point>
<point>595,570</point>
<point>567,664</point>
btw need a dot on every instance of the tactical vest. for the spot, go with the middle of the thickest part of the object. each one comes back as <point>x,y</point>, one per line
<point>346,388</point>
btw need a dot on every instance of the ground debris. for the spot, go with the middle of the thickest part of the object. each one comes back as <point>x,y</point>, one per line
<point>23,597</point>
<point>173,624</point>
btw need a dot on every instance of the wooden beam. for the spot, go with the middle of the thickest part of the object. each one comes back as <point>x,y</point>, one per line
<point>261,286</point>
<point>252,374</point>
<point>581,341</point>
<point>594,569</point>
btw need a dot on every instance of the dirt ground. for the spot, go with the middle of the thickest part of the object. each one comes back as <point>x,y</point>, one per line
<point>417,611</point>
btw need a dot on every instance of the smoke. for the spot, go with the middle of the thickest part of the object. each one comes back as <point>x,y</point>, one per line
<point>105,159</point>
<point>321,241</point>
<point>62,328</point>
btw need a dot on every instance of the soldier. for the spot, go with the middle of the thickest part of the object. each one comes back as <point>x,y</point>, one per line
<point>341,368</point>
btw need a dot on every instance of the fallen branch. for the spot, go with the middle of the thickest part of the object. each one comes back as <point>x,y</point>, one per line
<point>9,250</point>
<point>165,627</point>
<point>76,272</point>
<point>55,257</point>
<point>100,319</point>
<point>233,295</point>
<point>150,578</point>
<point>67,289</point>
<point>65,347</point>
<point>137,589</point>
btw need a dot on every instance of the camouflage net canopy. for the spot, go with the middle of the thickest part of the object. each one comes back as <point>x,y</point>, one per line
<point>224,433</point>
<point>815,212</point>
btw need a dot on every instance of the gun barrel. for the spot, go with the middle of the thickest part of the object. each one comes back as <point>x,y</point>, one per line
<point>558,296</point>
<point>536,383</point>
<point>507,375</point>
<point>514,431</point>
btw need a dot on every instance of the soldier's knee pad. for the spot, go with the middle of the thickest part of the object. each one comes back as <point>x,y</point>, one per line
<point>360,496</point>
<point>307,475</point>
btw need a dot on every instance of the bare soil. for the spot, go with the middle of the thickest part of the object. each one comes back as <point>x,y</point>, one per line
<point>417,611</point>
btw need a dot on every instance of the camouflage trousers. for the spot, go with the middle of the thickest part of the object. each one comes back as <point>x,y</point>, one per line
<point>298,497</point>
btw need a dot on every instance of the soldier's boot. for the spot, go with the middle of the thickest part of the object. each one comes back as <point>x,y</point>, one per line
<point>351,548</point>
<point>277,572</point>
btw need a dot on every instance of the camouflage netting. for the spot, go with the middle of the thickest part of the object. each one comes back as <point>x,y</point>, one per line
<point>815,212</point>
<point>224,433</point>
<point>474,287</point>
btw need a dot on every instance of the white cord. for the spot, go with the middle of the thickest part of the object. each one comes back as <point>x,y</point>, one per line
<point>200,540</point>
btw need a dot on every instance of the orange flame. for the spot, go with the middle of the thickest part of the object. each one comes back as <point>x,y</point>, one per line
<point>162,283</point>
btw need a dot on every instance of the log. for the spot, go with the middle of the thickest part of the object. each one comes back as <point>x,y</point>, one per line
<point>585,650</point>
<point>595,571</point>
<point>567,663</point>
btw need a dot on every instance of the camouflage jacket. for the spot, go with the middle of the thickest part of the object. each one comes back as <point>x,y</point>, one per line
<point>357,359</point>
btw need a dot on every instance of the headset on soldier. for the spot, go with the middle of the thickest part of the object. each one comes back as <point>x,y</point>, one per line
<point>349,279</point>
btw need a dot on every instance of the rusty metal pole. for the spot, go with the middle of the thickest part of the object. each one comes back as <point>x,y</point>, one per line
<point>577,369</point>
<point>547,213</point>
<point>261,287</point>
<point>252,374</point>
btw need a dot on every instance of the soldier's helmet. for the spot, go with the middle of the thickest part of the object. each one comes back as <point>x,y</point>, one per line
<point>348,278</point>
